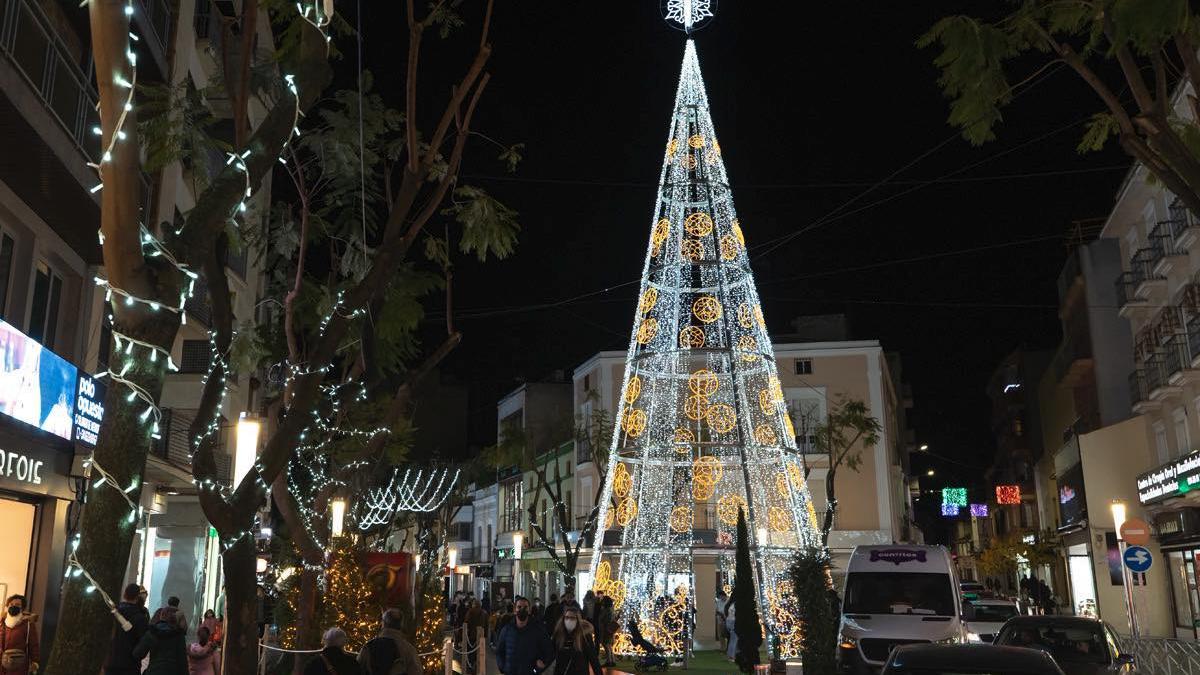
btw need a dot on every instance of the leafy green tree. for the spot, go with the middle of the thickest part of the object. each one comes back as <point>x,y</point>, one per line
<point>812,585</point>
<point>745,601</point>
<point>846,431</point>
<point>1152,42</point>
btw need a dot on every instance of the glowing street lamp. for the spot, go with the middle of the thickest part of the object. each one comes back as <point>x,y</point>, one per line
<point>518,542</point>
<point>246,450</point>
<point>1118,515</point>
<point>337,516</point>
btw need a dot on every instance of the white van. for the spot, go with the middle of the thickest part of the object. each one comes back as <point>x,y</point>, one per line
<point>896,595</point>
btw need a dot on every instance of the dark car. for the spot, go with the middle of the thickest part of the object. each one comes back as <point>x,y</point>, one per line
<point>969,660</point>
<point>1079,645</point>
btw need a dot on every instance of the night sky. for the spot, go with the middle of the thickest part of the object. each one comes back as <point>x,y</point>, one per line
<point>952,262</point>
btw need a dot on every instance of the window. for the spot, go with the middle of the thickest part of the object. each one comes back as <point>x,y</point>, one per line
<point>196,356</point>
<point>6,255</point>
<point>1160,443</point>
<point>804,366</point>
<point>43,311</point>
<point>1182,444</point>
<point>807,408</point>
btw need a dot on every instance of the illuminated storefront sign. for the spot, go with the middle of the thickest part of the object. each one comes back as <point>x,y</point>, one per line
<point>22,468</point>
<point>1170,480</point>
<point>89,410</point>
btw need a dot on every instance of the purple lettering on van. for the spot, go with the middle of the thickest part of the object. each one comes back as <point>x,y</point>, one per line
<point>898,555</point>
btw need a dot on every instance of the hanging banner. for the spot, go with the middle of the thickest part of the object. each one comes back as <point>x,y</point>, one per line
<point>389,574</point>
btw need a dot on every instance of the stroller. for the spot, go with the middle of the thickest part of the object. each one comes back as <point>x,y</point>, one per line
<point>653,658</point>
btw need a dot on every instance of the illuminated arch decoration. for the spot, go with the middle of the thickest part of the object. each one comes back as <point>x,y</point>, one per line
<point>704,428</point>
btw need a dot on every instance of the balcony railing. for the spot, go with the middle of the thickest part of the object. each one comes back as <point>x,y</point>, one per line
<point>1138,391</point>
<point>1155,372</point>
<point>1182,219</point>
<point>28,39</point>
<point>1141,266</point>
<point>175,445</point>
<point>1126,289</point>
<point>1177,354</point>
<point>1162,242</point>
<point>158,18</point>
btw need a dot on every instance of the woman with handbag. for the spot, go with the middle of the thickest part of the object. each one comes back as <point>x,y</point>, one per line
<point>575,640</point>
<point>18,639</point>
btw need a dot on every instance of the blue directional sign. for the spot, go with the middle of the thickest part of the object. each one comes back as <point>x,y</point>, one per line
<point>1138,558</point>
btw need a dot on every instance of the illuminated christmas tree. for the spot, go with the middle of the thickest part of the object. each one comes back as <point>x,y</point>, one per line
<point>349,600</point>
<point>704,428</point>
<point>431,624</point>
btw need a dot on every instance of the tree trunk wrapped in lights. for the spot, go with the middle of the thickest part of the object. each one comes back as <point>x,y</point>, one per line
<point>703,428</point>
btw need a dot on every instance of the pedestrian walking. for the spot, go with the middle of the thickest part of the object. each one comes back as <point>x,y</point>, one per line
<point>333,659</point>
<point>606,627</point>
<point>164,642</point>
<point>589,605</point>
<point>552,613</point>
<point>18,639</point>
<point>524,646</point>
<point>731,627</point>
<point>391,653</point>
<point>575,644</point>
<point>120,657</point>
<point>204,657</point>
<point>216,629</point>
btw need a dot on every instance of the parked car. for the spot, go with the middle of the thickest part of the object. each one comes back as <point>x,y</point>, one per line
<point>984,617</point>
<point>969,660</point>
<point>972,589</point>
<point>1080,646</point>
<point>896,595</point>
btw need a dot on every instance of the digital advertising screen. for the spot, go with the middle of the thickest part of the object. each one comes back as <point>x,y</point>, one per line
<point>37,386</point>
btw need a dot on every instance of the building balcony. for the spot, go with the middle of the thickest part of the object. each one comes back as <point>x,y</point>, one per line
<point>1180,358</point>
<point>1185,227</point>
<point>1164,253</point>
<point>1141,287</point>
<point>1139,393</point>
<point>1158,377</point>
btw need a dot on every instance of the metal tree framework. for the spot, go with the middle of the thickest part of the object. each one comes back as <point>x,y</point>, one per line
<point>703,425</point>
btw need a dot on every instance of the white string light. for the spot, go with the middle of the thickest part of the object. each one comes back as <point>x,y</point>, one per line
<point>407,492</point>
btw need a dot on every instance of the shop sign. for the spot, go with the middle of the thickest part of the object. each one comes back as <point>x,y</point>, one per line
<point>89,409</point>
<point>1170,480</point>
<point>484,572</point>
<point>22,468</point>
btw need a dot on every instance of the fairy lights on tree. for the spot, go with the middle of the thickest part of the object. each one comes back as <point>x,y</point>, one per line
<point>703,428</point>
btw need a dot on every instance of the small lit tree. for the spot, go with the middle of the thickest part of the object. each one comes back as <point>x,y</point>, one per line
<point>816,609</point>
<point>349,600</point>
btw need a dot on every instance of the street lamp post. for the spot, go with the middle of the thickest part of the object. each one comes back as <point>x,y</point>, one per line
<point>518,541</point>
<point>1118,514</point>
<point>452,558</point>
<point>337,517</point>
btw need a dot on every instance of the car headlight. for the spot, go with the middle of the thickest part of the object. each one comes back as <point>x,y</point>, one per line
<point>974,637</point>
<point>951,640</point>
<point>847,642</point>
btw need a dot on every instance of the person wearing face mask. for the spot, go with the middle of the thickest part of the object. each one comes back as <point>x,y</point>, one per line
<point>523,647</point>
<point>18,639</point>
<point>575,640</point>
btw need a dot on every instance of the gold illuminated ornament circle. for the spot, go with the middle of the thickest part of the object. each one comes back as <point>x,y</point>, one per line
<point>633,389</point>
<point>691,337</point>
<point>634,422</point>
<point>779,519</point>
<point>695,407</point>
<point>703,382</point>
<point>681,519</point>
<point>737,232</point>
<point>766,402</point>
<point>787,422</point>
<point>748,346</point>
<point>691,249</point>
<point>776,387</point>
<point>812,515</point>
<point>659,235</point>
<point>696,141</point>
<point>627,510</point>
<point>795,475</point>
<point>698,224</point>
<point>616,590</point>
<point>721,418</point>
<point>745,316</point>
<point>608,519</point>
<point>765,435</point>
<point>622,482</point>
<point>728,507</point>
<point>688,161</point>
<point>703,491</point>
<point>707,469</point>
<point>707,308</point>
<point>603,571</point>
<point>647,330</point>
<point>758,316</point>
<point>781,485</point>
<point>647,301</point>
<point>672,146</point>
<point>729,247</point>
<point>683,436</point>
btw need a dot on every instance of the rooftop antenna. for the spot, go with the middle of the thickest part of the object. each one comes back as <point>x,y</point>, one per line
<point>688,16</point>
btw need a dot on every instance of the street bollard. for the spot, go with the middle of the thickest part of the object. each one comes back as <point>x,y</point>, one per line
<point>448,655</point>
<point>481,653</point>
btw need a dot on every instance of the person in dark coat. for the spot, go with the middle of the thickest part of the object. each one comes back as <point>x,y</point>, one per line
<point>524,646</point>
<point>552,613</point>
<point>120,657</point>
<point>333,659</point>
<point>575,644</point>
<point>165,643</point>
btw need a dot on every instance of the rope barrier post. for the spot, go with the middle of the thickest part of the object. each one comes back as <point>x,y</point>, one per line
<point>481,659</point>
<point>448,655</point>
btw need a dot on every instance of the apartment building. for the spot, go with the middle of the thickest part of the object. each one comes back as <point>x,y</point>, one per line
<point>53,312</point>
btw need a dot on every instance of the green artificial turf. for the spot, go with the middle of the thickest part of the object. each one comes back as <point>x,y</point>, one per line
<point>701,663</point>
